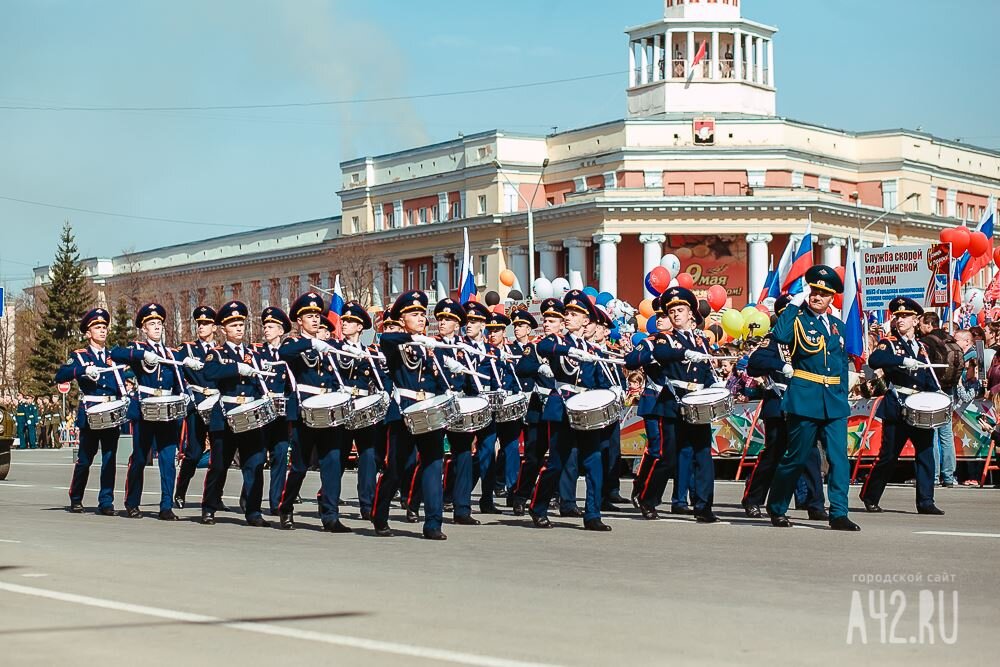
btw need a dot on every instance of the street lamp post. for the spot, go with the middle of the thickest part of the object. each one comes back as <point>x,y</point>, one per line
<point>873,222</point>
<point>531,219</point>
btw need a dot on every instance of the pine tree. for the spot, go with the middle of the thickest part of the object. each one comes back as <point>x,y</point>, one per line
<point>121,333</point>
<point>67,297</point>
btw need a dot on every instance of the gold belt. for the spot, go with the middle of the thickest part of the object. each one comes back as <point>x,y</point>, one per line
<point>817,378</point>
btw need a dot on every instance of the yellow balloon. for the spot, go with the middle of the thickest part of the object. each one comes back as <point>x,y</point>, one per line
<point>732,323</point>
<point>748,312</point>
<point>756,325</point>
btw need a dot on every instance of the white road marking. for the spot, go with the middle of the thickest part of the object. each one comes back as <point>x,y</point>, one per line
<point>954,533</point>
<point>21,486</point>
<point>378,646</point>
<point>11,541</point>
<point>35,575</point>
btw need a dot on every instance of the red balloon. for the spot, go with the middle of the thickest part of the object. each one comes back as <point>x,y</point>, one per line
<point>947,234</point>
<point>685,280</point>
<point>839,270</point>
<point>716,297</point>
<point>838,301</point>
<point>960,241</point>
<point>658,279</point>
<point>979,245</point>
<point>592,299</point>
<point>762,308</point>
<point>996,256</point>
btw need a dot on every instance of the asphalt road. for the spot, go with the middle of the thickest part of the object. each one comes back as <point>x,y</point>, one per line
<point>86,589</point>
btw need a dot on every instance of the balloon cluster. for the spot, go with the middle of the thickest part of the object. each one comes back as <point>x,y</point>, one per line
<point>963,240</point>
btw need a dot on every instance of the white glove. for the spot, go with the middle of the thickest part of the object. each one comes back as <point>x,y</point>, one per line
<point>579,354</point>
<point>151,358</point>
<point>454,365</point>
<point>909,362</point>
<point>546,371</point>
<point>787,370</point>
<point>321,346</point>
<point>193,364</point>
<point>245,369</point>
<point>266,365</point>
<point>695,356</point>
<point>426,341</point>
<point>801,297</point>
<point>92,373</point>
<point>504,354</point>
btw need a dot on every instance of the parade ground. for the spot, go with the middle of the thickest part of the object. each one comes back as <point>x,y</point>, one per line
<point>89,589</point>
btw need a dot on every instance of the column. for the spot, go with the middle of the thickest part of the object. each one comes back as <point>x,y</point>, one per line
<point>517,261</point>
<point>668,55</point>
<point>644,60</point>
<point>757,263</point>
<point>378,284</point>
<point>631,64</point>
<point>657,57</point>
<point>738,55</point>
<point>607,248</point>
<point>442,264</point>
<point>748,55</point>
<point>770,63</point>
<point>713,72</point>
<point>578,256</point>
<point>395,278</point>
<point>832,253</point>
<point>548,260</point>
<point>759,60</point>
<point>689,56</point>
<point>652,252</point>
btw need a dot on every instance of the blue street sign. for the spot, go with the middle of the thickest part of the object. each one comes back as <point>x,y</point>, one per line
<point>1,302</point>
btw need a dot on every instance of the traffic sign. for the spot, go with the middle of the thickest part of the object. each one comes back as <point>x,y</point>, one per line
<point>63,387</point>
<point>1,302</point>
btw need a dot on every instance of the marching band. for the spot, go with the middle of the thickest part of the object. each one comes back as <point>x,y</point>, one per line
<point>315,395</point>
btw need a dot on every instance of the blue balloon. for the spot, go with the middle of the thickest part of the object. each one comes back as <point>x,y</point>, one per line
<point>649,288</point>
<point>590,291</point>
<point>638,337</point>
<point>651,325</point>
<point>604,298</point>
<point>615,334</point>
<point>973,320</point>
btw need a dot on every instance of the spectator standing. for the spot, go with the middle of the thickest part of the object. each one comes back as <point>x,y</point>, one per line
<point>943,349</point>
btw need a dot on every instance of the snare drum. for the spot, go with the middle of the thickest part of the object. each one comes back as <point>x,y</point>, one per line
<point>326,410</point>
<point>432,414</point>
<point>205,407</point>
<point>495,398</point>
<point>473,414</point>
<point>593,409</point>
<point>927,409</point>
<point>368,411</point>
<point>513,408</point>
<point>107,415</point>
<point>706,405</point>
<point>164,408</point>
<point>280,404</point>
<point>252,415</point>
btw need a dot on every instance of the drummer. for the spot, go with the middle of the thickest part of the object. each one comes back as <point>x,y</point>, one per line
<point>274,326</point>
<point>485,364</point>
<point>575,371</point>
<point>770,361</point>
<point>508,434</point>
<point>530,463</point>
<point>611,440</point>
<point>676,364</point>
<point>313,373</point>
<point>389,325</point>
<point>415,377</point>
<point>361,378</point>
<point>905,362</point>
<point>153,378</point>
<point>201,388</point>
<point>96,388</point>
<point>234,367</point>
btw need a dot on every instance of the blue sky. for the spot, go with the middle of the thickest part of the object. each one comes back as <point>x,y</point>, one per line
<point>853,64</point>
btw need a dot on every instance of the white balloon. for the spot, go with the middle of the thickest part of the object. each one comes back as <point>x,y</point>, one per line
<point>559,287</point>
<point>673,283</point>
<point>671,263</point>
<point>575,280</point>
<point>542,288</point>
<point>974,297</point>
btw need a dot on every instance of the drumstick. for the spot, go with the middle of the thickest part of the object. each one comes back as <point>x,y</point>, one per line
<point>169,362</point>
<point>110,369</point>
<point>266,374</point>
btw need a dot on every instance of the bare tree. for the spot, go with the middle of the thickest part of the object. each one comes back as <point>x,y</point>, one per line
<point>355,262</point>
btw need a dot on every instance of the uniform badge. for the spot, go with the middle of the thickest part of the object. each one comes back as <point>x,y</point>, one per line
<point>247,359</point>
<point>208,357</point>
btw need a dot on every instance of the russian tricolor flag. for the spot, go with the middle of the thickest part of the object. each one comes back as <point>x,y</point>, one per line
<point>854,336</point>
<point>803,259</point>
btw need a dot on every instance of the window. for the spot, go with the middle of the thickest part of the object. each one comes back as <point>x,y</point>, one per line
<point>939,209</point>
<point>482,204</point>
<point>960,211</point>
<point>456,210</point>
<point>422,216</point>
<point>355,179</point>
<point>423,278</point>
<point>797,177</point>
<point>378,218</point>
<point>579,184</point>
<point>609,180</point>
<point>653,179</point>
<point>434,213</point>
<point>509,198</point>
<point>456,270</point>
<point>481,277</point>
<point>355,224</point>
<point>409,278</point>
<point>442,207</point>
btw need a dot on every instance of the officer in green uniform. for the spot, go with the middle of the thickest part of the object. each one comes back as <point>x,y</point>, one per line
<point>816,401</point>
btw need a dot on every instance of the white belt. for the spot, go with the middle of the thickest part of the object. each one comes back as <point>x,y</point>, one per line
<point>238,400</point>
<point>155,392</point>
<point>355,391</point>
<point>412,395</point>
<point>689,386</point>
<point>274,394</point>
<point>99,399</point>
<point>309,389</point>
<point>572,388</point>
<point>542,391</point>
<point>204,391</point>
<point>906,391</point>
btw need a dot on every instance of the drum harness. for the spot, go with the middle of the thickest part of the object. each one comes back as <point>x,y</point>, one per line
<point>142,389</point>
<point>118,380</point>
<point>907,391</point>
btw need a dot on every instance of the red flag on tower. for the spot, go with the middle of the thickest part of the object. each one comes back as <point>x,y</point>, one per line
<point>698,57</point>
